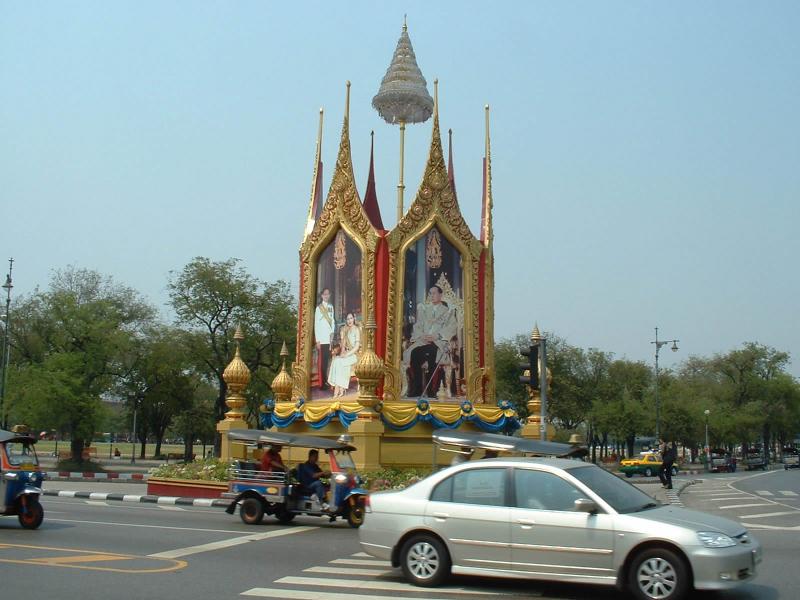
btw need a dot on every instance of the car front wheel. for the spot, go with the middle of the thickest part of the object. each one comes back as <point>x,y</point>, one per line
<point>425,561</point>
<point>658,574</point>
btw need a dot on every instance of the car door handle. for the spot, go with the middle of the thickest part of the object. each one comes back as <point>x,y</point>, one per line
<point>526,523</point>
<point>440,515</point>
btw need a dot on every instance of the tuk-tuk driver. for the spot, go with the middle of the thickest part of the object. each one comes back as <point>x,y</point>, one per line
<point>309,473</point>
<point>271,460</point>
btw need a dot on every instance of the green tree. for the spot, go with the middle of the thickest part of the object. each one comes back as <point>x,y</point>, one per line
<point>69,343</point>
<point>210,299</point>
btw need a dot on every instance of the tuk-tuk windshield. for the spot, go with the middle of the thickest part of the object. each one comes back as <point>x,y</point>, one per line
<point>345,460</point>
<point>21,453</point>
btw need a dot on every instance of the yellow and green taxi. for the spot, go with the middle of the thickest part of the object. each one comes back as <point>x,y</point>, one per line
<point>647,464</point>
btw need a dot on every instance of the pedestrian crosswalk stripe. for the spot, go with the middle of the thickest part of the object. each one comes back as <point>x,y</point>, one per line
<point>374,584</point>
<point>723,499</point>
<point>747,505</point>
<point>315,595</point>
<point>361,555</point>
<point>788,493</point>
<point>347,571</point>
<point>764,493</point>
<point>361,562</point>
<point>764,515</point>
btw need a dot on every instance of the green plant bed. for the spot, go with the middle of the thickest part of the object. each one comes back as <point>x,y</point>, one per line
<point>392,478</point>
<point>86,466</point>
<point>209,469</point>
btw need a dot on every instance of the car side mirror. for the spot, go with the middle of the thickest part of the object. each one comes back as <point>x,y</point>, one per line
<point>586,505</point>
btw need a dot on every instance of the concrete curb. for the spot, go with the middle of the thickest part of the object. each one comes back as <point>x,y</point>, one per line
<point>89,476</point>
<point>168,500</point>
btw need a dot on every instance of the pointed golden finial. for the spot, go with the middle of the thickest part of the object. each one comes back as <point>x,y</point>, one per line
<point>405,22</point>
<point>236,376</point>
<point>282,384</point>
<point>315,204</point>
<point>535,335</point>
<point>347,102</point>
<point>436,98</point>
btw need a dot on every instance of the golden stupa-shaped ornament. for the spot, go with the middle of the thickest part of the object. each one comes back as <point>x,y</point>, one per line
<point>282,384</point>
<point>369,368</point>
<point>534,397</point>
<point>236,377</point>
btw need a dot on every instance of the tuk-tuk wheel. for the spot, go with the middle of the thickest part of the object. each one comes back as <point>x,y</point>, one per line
<point>251,511</point>
<point>33,515</point>
<point>628,474</point>
<point>283,515</point>
<point>355,516</point>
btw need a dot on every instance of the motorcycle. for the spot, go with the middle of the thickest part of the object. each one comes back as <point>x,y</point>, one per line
<point>259,493</point>
<point>20,479</point>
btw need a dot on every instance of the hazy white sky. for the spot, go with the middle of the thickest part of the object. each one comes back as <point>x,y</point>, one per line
<point>646,157</point>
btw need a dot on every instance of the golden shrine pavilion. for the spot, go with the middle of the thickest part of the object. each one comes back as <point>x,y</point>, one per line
<point>395,327</point>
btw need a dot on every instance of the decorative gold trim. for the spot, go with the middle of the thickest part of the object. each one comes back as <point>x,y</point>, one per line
<point>434,206</point>
<point>488,278</point>
<point>343,210</point>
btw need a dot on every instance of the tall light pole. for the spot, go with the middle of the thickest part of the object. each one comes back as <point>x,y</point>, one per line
<point>707,412</point>
<point>4,358</point>
<point>659,344</point>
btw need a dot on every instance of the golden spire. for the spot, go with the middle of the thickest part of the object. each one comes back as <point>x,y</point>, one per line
<point>282,384</point>
<point>369,368</point>
<point>487,234</point>
<point>535,335</point>
<point>236,377</point>
<point>314,207</point>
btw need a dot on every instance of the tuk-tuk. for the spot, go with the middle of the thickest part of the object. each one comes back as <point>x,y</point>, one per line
<point>280,494</point>
<point>464,443</point>
<point>20,479</point>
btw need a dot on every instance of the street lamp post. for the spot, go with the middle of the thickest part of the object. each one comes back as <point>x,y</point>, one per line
<point>708,450</point>
<point>133,450</point>
<point>4,358</point>
<point>674,348</point>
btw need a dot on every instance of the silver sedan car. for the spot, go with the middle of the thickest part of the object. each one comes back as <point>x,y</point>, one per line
<point>558,520</point>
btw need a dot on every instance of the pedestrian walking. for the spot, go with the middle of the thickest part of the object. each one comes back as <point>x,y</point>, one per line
<point>668,456</point>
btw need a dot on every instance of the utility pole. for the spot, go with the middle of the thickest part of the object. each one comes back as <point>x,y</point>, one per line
<point>4,358</point>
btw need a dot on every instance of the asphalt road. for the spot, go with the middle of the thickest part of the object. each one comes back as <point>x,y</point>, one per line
<point>96,550</point>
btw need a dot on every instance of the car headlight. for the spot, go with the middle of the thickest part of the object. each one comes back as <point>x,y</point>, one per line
<point>713,539</point>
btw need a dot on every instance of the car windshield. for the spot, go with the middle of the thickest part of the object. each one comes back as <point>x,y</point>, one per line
<point>620,495</point>
<point>345,461</point>
<point>21,453</point>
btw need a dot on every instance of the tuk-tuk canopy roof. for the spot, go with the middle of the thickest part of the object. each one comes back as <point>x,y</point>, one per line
<point>505,443</point>
<point>10,436</point>
<point>257,436</point>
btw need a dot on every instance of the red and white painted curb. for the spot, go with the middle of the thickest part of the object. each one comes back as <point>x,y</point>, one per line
<point>169,500</point>
<point>57,475</point>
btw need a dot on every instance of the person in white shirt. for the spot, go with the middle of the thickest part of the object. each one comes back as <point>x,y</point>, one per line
<point>324,325</point>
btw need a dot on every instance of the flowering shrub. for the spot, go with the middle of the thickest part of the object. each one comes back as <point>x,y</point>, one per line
<point>209,469</point>
<point>392,478</point>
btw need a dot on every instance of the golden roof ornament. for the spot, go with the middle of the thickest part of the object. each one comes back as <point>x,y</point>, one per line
<point>282,384</point>
<point>535,335</point>
<point>369,368</point>
<point>403,98</point>
<point>236,377</point>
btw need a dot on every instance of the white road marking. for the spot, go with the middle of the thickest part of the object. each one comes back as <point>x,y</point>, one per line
<point>765,515</point>
<point>747,505</point>
<point>771,527</point>
<point>731,498</point>
<point>764,493</point>
<point>148,526</point>
<point>315,595</point>
<point>361,555</point>
<point>365,584</point>
<point>96,503</point>
<point>361,563</point>
<point>347,571</point>
<point>171,508</point>
<point>782,493</point>
<point>188,551</point>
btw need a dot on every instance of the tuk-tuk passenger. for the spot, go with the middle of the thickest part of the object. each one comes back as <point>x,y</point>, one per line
<point>271,460</point>
<point>309,473</point>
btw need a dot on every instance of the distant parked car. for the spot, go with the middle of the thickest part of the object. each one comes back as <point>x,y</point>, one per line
<point>721,461</point>
<point>647,464</point>
<point>791,458</point>
<point>755,459</point>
